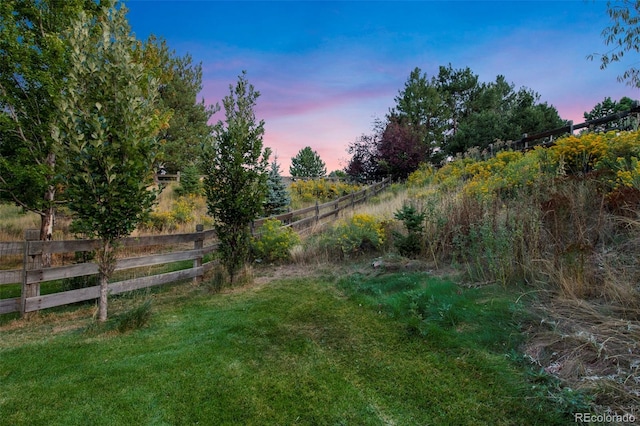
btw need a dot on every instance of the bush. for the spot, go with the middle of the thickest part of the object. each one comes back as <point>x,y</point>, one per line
<point>190,183</point>
<point>360,234</point>
<point>410,244</point>
<point>320,189</point>
<point>273,242</point>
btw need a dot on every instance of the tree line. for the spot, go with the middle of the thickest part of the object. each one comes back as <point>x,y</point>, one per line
<point>444,115</point>
<point>438,117</point>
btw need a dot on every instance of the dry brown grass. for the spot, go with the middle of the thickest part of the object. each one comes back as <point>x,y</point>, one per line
<point>594,347</point>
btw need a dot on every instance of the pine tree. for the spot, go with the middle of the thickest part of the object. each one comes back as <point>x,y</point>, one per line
<point>307,164</point>
<point>278,198</point>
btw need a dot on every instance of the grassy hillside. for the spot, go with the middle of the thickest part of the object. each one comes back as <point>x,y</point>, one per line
<point>393,349</point>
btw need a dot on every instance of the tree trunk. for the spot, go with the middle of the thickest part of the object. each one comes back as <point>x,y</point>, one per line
<point>47,219</point>
<point>106,266</point>
<point>104,298</point>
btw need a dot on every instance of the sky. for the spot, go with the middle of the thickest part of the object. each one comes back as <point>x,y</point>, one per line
<point>327,70</point>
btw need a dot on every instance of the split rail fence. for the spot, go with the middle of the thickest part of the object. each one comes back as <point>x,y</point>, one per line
<point>166,249</point>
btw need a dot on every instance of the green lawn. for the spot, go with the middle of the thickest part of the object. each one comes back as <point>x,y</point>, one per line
<point>400,349</point>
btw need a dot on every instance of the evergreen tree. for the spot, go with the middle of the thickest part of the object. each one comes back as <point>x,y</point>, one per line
<point>189,181</point>
<point>188,128</point>
<point>307,164</point>
<point>278,198</point>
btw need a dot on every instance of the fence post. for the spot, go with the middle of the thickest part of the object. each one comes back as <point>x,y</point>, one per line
<point>198,244</point>
<point>29,290</point>
<point>317,212</point>
<point>337,208</point>
<point>178,176</point>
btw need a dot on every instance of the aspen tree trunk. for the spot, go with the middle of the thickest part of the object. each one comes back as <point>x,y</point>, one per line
<point>106,266</point>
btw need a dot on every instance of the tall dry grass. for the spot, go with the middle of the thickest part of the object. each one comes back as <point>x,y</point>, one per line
<point>14,221</point>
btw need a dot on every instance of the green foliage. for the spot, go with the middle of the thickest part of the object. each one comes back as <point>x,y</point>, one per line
<point>111,154</point>
<point>108,119</point>
<point>445,115</point>
<point>235,168</point>
<point>273,242</point>
<point>623,34</point>
<point>307,164</point>
<point>609,107</point>
<point>360,234</point>
<point>188,128</point>
<point>34,65</point>
<point>412,243</point>
<point>190,183</point>
<point>277,200</point>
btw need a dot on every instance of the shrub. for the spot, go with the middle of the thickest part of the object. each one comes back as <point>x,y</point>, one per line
<point>320,189</point>
<point>410,244</point>
<point>360,234</point>
<point>274,241</point>
<point>190,183</point>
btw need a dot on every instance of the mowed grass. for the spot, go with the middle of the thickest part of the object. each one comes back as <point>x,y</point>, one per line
<point>299,351</point>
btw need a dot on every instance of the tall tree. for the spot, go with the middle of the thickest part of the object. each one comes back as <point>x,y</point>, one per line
<point>498,112</point>
<point>189,129</point>
<point>420,106</point>
<point>623,35</point>
<point>34,64</point>
<point>307,164</point>
<point>109,121</point>
<point>458,90</point>
<point>277,199</point>
<point>235,168</point>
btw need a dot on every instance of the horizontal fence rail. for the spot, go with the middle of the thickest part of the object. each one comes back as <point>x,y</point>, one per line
<point>528,142</point>
<point>304,219</point>
<point>178,248</point>
<point>32,274</point>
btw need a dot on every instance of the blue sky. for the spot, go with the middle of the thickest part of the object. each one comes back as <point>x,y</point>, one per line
<point>326,70</point>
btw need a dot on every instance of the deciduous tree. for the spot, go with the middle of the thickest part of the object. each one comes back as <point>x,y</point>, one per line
<point>109,122</point>
<point>235,167</point>
<point>34,64</point>
<point>623,35</point>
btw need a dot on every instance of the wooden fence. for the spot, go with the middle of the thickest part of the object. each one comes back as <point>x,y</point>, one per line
<point>32,274</point>
<point>305,219</point>
<point>545,138</point>
<point>167,249</point>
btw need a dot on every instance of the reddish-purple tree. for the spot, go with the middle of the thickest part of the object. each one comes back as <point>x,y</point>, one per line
<point>401,149</point>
